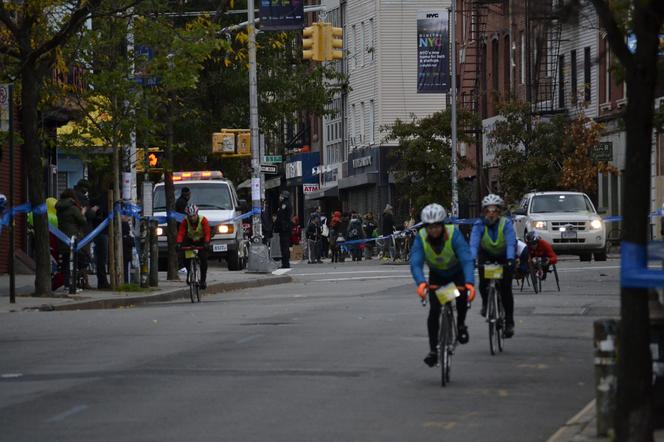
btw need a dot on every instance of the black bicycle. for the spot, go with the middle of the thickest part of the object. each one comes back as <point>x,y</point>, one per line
<point>193,272</point>
<point>447,339</point>
<point>495,312</point>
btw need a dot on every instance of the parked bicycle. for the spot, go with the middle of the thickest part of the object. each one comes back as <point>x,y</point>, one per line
<point>193,272</point>
<point>495,312</point>
<point>447,339</point>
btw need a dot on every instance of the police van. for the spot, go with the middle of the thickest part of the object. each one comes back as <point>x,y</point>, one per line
<point>217,201</point>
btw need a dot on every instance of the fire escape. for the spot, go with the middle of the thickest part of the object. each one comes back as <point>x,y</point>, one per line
<point>544,28</point>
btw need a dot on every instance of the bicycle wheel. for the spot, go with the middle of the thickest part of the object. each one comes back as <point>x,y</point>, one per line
<point>533,277</point>
<point>555,273</point>
<point>491,319</point>
<point>197,283</point>
<point>500,324</point>
<point>191,279</point>
<point>443,347</point>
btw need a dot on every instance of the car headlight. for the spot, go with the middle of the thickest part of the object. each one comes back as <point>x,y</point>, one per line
<point>596,224</point>
<point>160,231</point>
<point>225,228</point>
<point>540,225</point>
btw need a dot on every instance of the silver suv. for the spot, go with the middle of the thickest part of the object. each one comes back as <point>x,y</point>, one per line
<point>567,220</point>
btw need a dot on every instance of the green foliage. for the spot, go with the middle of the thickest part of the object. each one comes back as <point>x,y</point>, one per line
<point>422,158</point>
<point>528,150</point>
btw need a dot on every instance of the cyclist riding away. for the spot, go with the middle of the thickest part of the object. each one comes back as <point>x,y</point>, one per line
<point>493,240</point>
<point>540,248</point>
<point>446,252</point>
<point>195,232</point>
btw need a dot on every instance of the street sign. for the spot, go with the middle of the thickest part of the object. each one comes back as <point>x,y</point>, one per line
<point>602,151</point>
<point>272,159</point>
<point>269,168</point>
<point>4,107</point>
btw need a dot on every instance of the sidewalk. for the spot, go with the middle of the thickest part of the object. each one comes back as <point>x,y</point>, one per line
<point>583,428</point>
<point>218,281</point>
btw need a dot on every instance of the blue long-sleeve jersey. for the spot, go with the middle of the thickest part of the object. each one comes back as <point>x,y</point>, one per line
<point>462,252</point>
<point>478,232</point>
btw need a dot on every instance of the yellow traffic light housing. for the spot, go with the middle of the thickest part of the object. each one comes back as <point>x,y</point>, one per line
<point>154,157</point>
<point>335,42</point>
<point>312,48</point>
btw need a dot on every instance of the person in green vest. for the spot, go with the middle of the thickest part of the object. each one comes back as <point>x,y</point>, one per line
<point>446,253</point>
<point>195,232</point>
<point>493,240</point>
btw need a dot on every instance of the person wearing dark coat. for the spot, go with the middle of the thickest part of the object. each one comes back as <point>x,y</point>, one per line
<point>97,213</point>
<point>388,229</point>
<point>72,222</point>
<point>183,200</point>
<point>283,226</point>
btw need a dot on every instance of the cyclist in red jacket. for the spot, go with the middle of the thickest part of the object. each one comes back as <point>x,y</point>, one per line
<point>539,248</point>
<point>195,232</point>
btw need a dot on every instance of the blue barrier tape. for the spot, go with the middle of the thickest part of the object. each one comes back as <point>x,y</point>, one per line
<point>634,272</point>
<point>97,230</point>
<point>60,235</point>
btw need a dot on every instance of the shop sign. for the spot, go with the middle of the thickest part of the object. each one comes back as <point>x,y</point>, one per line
<point>362,162</point>
<point>310,188</point>
<point>293,170</point>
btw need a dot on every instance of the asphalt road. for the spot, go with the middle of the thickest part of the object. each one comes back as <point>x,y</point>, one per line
<point>336,355</point>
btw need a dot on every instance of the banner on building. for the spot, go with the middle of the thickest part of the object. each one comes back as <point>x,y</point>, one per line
<point>433,62</point>
<point>281,15</point>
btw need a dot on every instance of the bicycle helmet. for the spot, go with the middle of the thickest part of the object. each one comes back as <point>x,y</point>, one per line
<point>191,209</point>
<point>492,200</point>
<point>433,214</point>
<point>532,237</point>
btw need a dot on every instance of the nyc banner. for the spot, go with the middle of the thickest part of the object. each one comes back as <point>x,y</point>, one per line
<point>433,62</point>
<point>281,15</point>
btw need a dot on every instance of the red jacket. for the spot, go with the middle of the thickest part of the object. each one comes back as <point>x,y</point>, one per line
<point>182,233</point>
<point>543,250</point>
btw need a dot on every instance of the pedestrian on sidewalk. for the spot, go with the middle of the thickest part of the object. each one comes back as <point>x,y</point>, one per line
<point>283,226</point>
<point>72,222</point>
<point>355,233</point>
<point>313,234</point>
<point>387,228</point>
<point>98,213</point>
<point>369,228</point>
<point>325,237</point>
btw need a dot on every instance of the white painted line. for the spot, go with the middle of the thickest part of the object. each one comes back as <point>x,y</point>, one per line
<point>11,375</point>
<point>585,269</point>
<point>281,271</point>
<point>331,272</point>
<point>247,339</point>
<point>359,278</point>
<point>72,411</point>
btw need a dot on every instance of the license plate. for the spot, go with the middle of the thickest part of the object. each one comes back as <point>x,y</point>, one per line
<point>219,247</point>
<point>568,234</point>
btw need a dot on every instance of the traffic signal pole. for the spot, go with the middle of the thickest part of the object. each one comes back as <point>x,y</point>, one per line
<point>258,261</point>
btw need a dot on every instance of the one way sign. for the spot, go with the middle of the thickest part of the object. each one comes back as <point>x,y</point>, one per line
<point>269,169</point>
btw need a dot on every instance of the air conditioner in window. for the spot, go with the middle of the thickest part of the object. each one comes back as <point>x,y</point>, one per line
<point>605,107</point>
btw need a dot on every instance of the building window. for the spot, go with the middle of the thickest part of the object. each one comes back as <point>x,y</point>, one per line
<point>361,124</point>
<point>573,80</point>
<point>607,72</point>
<point>356,52</point>
<point>586,74</point>
<point>353,135</point>
<point>561,81</point>
<point>495,59</point>
<point>507,64</point>
<point>370,41</point>
<point>372,122</point>
<point>363,40</point>
<point>523,58</point>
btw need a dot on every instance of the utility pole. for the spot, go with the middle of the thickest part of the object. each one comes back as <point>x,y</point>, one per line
<point>453,94</point>
<point>258,256</point>
<point>12,245</point>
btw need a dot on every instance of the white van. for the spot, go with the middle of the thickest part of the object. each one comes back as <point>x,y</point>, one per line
<point>217,201</point>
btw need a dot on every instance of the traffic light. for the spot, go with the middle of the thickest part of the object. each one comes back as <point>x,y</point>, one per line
<point>155,158</point>
<point>244,143</point>
<point>311,43</point>
<point>334,43</point>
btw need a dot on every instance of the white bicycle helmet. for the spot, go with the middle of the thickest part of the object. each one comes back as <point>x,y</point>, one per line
<point>492,200</point>
<point>433,214</point>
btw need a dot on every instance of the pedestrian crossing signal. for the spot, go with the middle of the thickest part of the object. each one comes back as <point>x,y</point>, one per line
<point>154,159</point>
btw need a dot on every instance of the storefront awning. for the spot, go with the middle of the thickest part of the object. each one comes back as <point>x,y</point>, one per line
<point>359,180</point>
<point>328,192</point>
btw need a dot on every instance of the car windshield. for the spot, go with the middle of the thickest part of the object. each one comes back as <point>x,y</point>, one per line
<point>207,196</point>
<point>560,203</point>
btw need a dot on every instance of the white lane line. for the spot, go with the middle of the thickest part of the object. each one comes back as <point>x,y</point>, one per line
<point>332,272</point>
<point>281,271</point>
<point>72,411</point>
<point>360,278</point>
<point>584,269</point>
<point>11,375</point>
<point>247,339</point>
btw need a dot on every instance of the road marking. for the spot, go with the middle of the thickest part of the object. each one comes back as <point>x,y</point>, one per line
<point>72,411</point>
<point>247,339</point>
<point>583,269</point>
<point>363,278</point>
<point>11,375</point>
<point>343,273</point>
<point>281,271</point>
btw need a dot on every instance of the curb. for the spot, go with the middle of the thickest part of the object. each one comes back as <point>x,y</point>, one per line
<point>575,425</point>
<point>171,295</point>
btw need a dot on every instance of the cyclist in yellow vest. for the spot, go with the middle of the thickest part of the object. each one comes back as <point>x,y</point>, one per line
<point>446,253</point>
<point>493,240</point>
<point>195,231</point>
